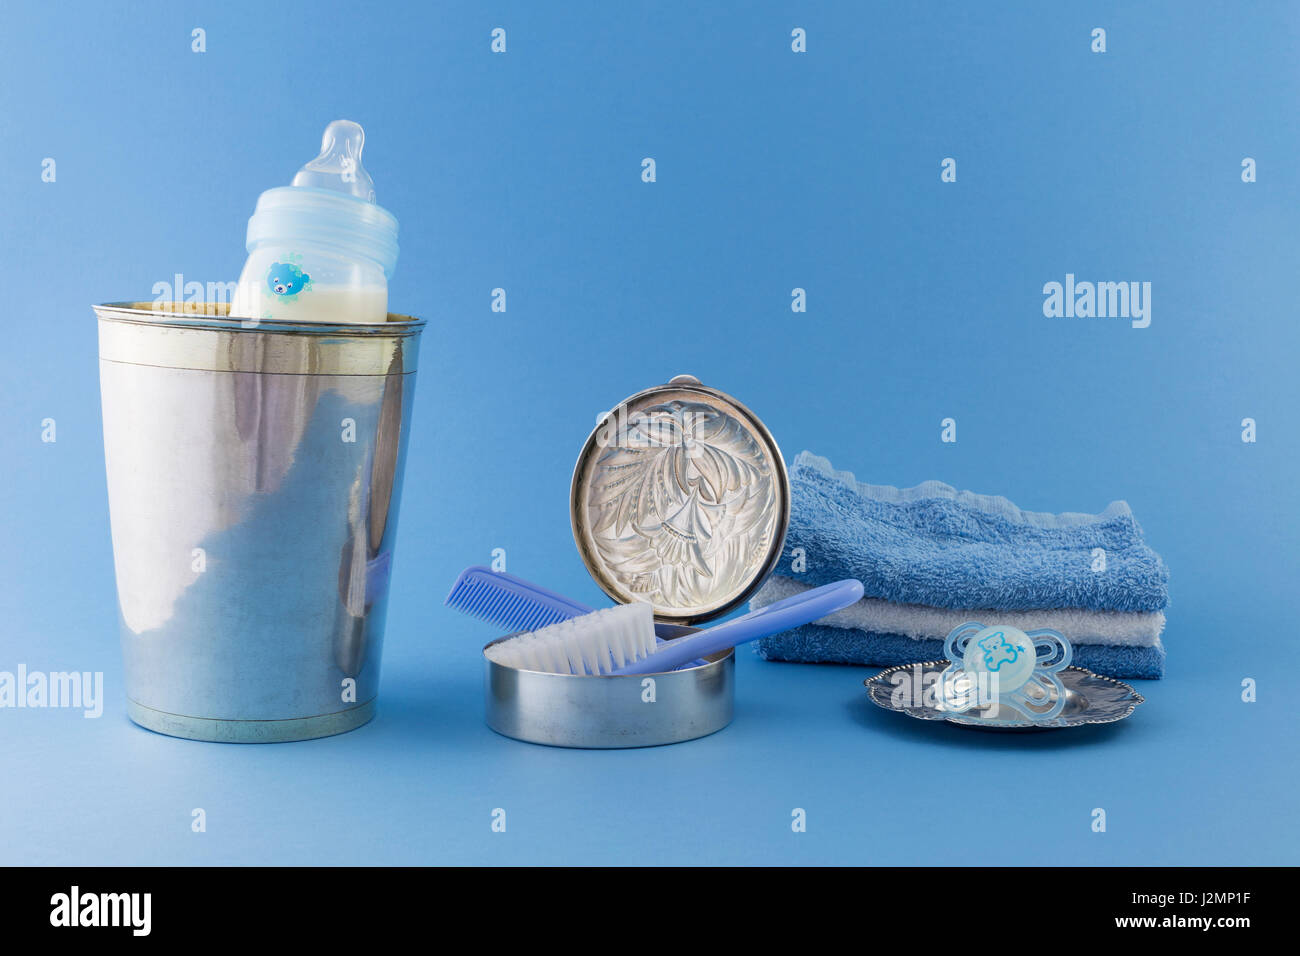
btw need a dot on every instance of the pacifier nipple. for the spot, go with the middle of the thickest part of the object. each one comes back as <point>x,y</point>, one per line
<point>338,167</point>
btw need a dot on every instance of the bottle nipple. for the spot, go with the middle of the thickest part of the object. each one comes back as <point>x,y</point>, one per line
<point>338,167</point>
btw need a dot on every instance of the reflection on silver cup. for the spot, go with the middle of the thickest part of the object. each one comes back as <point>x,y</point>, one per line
<point>254,475</point>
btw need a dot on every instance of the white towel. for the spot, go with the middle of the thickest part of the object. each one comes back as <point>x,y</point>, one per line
<point>1122,628</point>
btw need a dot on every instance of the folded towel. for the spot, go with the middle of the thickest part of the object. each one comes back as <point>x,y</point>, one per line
<point>936,546</point>
<point>837,645</point>
<point>916,621</point>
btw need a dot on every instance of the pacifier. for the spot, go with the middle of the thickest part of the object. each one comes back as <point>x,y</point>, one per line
<point>999,664</point>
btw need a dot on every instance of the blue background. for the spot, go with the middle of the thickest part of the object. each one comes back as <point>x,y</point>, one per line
<point>775,171</point>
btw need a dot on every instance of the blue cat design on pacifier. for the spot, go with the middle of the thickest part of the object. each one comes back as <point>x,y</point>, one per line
<point>287,280</point>
<point>992,666</point>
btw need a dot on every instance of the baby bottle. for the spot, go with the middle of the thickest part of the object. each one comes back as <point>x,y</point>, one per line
<point>320,249</point>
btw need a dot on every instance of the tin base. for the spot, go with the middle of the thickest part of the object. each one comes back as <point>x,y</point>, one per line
<point>603,713</point>
<point>250,731</point>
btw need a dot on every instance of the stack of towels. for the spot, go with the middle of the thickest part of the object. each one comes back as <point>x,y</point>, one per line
<point>931,558</point>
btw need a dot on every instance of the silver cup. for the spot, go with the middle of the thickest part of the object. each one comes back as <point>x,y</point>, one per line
<point>254,474</point>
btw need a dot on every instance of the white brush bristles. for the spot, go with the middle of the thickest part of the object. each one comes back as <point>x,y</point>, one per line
<point>592,644</point>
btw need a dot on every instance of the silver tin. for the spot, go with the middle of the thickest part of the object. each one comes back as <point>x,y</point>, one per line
<point>603,713</point>
<point>680,498</point>
<point>254,472</point>
<point>703,536</point>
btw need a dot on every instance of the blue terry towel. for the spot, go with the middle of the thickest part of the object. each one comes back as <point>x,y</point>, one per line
<point>817,643</point>
<point>940,547</point>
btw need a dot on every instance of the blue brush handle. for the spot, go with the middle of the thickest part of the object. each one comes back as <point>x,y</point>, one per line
<point>781,616</point>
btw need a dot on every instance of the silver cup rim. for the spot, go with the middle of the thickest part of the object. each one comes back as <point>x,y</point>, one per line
<point>216,316</point>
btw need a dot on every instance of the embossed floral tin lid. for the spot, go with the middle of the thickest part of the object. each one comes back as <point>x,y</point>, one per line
<point>680,498</point>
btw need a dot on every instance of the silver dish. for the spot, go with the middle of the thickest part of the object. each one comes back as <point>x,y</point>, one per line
<point>1090,699</point>
<point>680,498</point>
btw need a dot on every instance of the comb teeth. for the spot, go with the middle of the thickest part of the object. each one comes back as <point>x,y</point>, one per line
<point>509,602</point>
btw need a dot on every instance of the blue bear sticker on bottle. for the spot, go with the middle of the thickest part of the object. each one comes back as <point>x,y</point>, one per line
<point>287,280</point>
